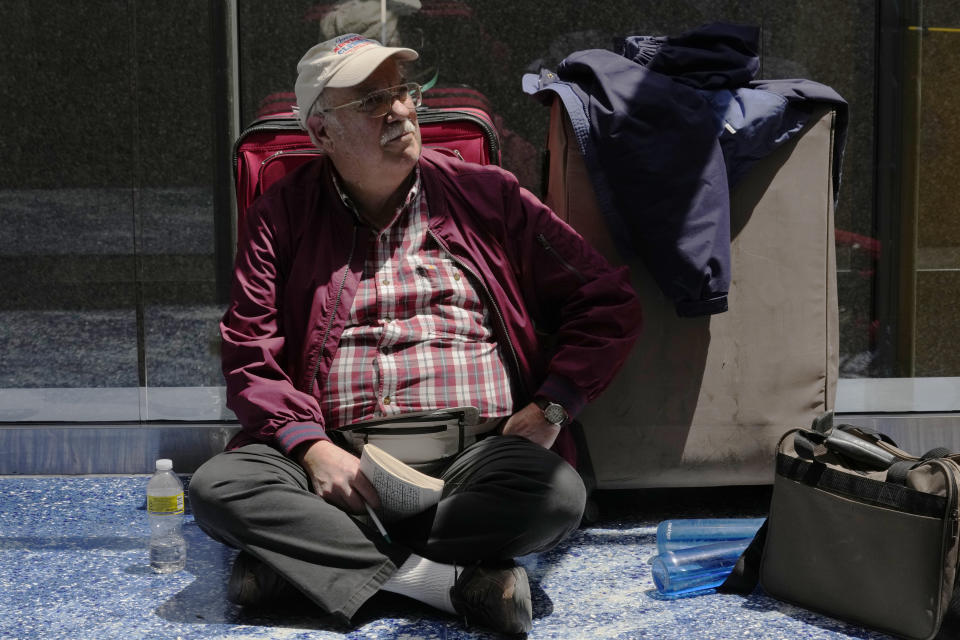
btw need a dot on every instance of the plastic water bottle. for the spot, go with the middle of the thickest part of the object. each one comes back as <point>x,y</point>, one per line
<point>168,549</point>
<point>681,534</point>
<point>687,572</point>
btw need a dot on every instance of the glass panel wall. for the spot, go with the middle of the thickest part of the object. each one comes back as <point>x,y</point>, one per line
<point>933,270</point>
<point>105,201</point>
<point>913,261</point>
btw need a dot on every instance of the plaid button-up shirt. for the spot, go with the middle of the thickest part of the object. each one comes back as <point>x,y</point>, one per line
<point>419,336</point>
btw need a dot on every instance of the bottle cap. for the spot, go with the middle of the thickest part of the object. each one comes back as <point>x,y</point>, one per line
<point>164,464</point>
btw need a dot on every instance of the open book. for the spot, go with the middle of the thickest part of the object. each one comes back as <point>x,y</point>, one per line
<point>403,490</point>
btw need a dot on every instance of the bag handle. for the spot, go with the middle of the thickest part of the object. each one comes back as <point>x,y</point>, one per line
<point>809,445</point>
<point>848,443</point>
<point>857,445</point>
<point>854,444</point>
<point>860,446</point>
<point>897,473</point>
<point>824,424</point>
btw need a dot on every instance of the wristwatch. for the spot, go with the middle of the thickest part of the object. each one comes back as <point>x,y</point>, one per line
<point>553,412</point>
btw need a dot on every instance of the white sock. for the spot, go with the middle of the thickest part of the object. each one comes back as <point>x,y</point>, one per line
<point>424,580</point>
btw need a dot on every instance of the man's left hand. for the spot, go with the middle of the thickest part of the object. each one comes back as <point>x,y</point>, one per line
<point>529,423</point>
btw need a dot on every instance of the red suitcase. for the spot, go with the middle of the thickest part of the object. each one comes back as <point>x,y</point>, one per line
<point>273,146</point>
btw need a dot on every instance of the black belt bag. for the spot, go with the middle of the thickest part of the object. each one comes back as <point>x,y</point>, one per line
<point>862,531</point>
<point>420,437</point>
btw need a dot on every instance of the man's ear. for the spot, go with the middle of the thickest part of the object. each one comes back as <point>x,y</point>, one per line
<point>318,132</point>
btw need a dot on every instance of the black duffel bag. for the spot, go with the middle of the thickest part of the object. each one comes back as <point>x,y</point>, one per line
<point>862,531</point>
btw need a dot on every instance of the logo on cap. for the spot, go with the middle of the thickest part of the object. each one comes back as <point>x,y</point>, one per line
<point>351,43</point>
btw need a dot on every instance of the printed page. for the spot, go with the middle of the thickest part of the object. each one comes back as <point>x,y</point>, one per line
<point>403,490</point>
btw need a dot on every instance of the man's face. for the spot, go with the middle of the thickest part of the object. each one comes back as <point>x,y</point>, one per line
<point>362,145</point>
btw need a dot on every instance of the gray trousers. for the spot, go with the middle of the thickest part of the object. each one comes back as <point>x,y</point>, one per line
<point>503,497</point>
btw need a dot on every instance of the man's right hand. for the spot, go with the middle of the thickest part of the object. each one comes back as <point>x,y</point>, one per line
<point>336,477</point>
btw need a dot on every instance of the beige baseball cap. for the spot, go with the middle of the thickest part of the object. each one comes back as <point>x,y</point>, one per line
<point>344,61</point>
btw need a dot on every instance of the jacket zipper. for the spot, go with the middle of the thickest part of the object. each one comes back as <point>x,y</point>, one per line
<point>333,311</point>
<point>493,303</point>
<point>563,263</point>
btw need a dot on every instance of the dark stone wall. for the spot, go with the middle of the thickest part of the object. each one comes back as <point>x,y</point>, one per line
<point>106,258</point>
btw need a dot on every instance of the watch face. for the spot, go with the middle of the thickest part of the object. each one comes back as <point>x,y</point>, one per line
<point>554,413</point>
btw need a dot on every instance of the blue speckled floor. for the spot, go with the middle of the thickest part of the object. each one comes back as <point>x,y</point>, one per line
<point>73,564</point>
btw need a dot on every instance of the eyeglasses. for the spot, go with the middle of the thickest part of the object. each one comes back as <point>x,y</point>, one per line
<point>379,103</point>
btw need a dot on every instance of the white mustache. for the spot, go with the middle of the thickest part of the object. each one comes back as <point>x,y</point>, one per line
<point>396,129</point>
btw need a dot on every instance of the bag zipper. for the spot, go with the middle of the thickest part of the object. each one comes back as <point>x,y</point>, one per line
<point>950,529</point>
<point>290,152</point>
<point>489,134</point>
<point>282,153</point>
<point>398,431</point>
<point>264,124</point>
<point>542,239</point>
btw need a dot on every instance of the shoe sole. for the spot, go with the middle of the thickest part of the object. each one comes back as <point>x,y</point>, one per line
<point>493,601</point>
<point>522,602</point>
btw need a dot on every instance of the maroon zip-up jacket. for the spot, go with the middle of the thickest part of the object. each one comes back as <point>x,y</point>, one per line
<point>299,265</point>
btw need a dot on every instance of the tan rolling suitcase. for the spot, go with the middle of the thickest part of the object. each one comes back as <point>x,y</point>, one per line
<point>703,401</point>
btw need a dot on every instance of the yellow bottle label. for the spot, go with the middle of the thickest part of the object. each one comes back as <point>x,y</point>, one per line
<point>165,505</point>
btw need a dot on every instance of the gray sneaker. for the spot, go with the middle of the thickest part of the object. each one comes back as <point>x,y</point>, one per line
<point>253,583</point>
<point>495,597</point>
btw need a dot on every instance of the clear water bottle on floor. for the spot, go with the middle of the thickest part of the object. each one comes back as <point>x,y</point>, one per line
<point>168,549</point>
<point>682,534</point>
<point>696,570</point>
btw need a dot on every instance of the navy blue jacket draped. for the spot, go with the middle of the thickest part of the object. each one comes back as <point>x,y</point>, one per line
<point>666,126</point>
